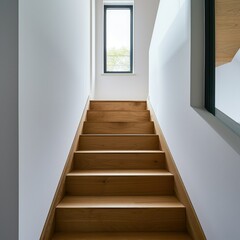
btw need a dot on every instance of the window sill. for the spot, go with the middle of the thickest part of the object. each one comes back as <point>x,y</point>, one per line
<point>118,74</point>
<point>231,137</point>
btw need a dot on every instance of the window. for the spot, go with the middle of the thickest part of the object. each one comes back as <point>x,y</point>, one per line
<point>118,39</point>
<point>222,63</point>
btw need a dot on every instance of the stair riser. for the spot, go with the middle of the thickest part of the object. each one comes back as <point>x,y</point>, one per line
<point>127,219</point>
<point>118,116</point>
<point>118,143</point>
<point>118,128</point>
<point>119,186</point>
<point>123,236</point>
<point>120,106</point>
<point>119,161</point>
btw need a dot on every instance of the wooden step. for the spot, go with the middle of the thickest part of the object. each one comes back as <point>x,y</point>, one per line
<point>83,215</point>
<point>118,116</point>
<point>119,160</point>
<point>123,236</point>
<point>120,172</point>
<point>124,219</point>
<point>118,186</point>
<point>119,142</point>
<point>118,127</point>
<point>124,183</point>
<point>118,105</point>
<point>119,202</point>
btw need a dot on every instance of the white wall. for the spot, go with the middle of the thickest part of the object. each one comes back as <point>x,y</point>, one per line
<point>9,119</point>
<point>93,47</point>
<point>208,165</point>
<point>127,86</point>
<point>227,88</point>
<point>54,83</point>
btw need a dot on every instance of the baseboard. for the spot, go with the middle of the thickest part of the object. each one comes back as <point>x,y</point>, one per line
<point>49,225</point>
<point>193,225</point>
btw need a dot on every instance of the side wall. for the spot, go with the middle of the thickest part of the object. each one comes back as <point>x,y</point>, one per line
<point>128,86</point>
<point>54,84</point>
<point>208,165</point>
<point>9,119</point>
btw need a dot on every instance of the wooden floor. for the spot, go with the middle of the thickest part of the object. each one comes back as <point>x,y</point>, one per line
<point>119,187</point>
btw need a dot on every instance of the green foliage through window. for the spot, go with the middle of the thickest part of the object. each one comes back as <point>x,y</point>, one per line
<point>118,59</point>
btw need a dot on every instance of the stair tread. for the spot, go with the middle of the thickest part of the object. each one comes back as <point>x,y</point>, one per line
<point>116,101</point>
<point>123,236</point>
<point>116,110</point>
<point>120,151</point>
<point>140,123</point>
<point>120,202</point>
<point>119,135</point>
<point>124,172</point>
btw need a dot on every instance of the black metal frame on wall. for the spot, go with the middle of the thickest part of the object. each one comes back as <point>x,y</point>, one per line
<point>106,7</point>
<point>210,56</point>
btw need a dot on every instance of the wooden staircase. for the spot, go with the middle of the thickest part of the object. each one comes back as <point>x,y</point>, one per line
<point>118,187</point>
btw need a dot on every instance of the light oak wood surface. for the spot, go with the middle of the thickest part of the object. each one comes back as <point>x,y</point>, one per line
<point>116,184</point>
<point>118,127</point>
<point>119,142</point>
<point>227,30</point>
<point>120,202</point>
<point>123,236</point>
<point>118,105</point>
<point>119,160</point>
<point>119,185</point>
<point>120,219</point>
<point>119,172</point>
<point>118,116</point>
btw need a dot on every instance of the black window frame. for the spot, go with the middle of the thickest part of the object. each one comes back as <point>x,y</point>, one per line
<point>210,56</point>
<point>130,7</point>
